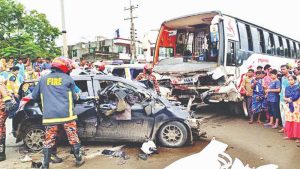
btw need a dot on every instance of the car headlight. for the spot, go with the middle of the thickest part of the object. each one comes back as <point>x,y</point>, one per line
<point>194,123</point>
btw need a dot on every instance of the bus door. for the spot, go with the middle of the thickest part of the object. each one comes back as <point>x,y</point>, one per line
<point>231,59</point>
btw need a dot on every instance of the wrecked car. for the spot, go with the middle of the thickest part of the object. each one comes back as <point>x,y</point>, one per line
<point>112,109</point>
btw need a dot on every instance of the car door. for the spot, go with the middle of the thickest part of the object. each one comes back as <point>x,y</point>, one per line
<point>138,128</point>
<point>85,110</point>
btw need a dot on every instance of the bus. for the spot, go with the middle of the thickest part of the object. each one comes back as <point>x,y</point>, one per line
<point>204,56</point>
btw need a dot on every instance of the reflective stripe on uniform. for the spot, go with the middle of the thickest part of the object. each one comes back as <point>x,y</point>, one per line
<point>66,119</point>
<point>42,101</point>
<point>127,74</point>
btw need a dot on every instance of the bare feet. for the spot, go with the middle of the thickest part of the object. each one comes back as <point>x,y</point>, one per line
<point>274,127</point>
<point>259,122</point>
<point>298,141</point>
<point>286,138</point>
<point>281,130</point>
<point>250,121</point>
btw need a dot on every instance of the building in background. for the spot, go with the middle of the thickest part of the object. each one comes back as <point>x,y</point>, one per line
<point>105,49</point>
<point>148,44</point>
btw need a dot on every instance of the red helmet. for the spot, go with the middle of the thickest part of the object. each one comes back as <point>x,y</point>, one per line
<point>148,68</point>
<point>101,67</point>
<point>62,63</point>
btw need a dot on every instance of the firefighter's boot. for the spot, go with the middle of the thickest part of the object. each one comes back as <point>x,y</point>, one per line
<point>78,155</point>
<point>2,150</point>
<point>47,156</point>
<point>54,158</point>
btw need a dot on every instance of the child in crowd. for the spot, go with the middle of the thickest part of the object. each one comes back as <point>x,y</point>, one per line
<point>248,91</point>
<point>257,97</point>
<point>273,100</point>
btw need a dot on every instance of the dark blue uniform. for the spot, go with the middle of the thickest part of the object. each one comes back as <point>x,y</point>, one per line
<point>57,93</point>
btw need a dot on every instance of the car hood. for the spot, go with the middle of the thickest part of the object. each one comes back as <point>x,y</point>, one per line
<point>177,66</point>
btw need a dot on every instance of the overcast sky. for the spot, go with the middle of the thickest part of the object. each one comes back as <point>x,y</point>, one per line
<point>86,19</point>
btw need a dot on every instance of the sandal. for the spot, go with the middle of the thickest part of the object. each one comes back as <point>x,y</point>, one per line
<point>274,127</point>
<point>250,122</point>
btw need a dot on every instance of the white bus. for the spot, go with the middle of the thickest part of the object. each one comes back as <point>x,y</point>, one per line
<point>209,52</point>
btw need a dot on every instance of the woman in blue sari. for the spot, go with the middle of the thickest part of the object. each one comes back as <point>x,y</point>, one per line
<point>292,115</point>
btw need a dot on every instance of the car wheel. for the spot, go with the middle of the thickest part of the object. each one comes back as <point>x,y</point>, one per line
<point>173,134</point>
<point>34,137</point>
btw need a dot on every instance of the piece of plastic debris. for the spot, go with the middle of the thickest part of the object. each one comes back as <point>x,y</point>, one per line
<point>121,154</point>
<point>143,156</point>
<point>26,159</point>
<point>269,166</point>
<point>149,147</point>
<point>107,152</point>
<point>36,165</point>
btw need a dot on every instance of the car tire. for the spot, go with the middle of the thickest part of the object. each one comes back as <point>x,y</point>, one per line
<point>172,134</point>
<point>34,136</point>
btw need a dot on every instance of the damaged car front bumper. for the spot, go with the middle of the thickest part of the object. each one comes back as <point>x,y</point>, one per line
<point>195,125</point>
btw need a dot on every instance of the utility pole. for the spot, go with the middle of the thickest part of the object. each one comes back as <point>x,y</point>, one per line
<point>64,32</point>
<point>132,31</point>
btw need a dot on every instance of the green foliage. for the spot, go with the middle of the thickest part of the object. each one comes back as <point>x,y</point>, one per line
<point>25,33</point>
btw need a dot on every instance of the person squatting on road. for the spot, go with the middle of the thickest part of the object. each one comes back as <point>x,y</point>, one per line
<point>148,75</point>
<point>57,93</point>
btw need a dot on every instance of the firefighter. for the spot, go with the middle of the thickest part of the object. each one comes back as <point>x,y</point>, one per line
<point>148,75</point>
<point>57,93</point>
<point>5,99</point>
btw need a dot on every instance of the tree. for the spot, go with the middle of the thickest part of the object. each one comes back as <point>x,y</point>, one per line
<point>25,33</point>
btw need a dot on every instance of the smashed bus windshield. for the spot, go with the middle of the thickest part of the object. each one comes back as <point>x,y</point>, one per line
<point>193,39</point>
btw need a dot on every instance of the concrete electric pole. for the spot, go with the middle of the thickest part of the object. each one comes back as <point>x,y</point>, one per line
<point>64,32</point>
<point>132,31</point>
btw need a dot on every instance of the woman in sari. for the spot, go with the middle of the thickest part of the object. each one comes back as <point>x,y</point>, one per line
<point>292,115</point>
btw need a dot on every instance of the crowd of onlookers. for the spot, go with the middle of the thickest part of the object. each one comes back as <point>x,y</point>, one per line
<point>273,98</point>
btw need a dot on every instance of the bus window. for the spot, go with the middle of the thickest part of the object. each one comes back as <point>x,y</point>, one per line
<point>250,40</point>
<point>180,42</point>
<point>278,44</point>
<point>288,49</point>
<point>298,50</point>
<point>294,50</point>
<point>285,48</point>
<point>255,40</point>
<point>231,59</point>
<point>262,41</point>
<point>243,36</point>
<point>165,52</point>
<point>272,43</point>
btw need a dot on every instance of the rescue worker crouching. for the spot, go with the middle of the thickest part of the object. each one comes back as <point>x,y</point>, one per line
<point>148,75</point>
<point>57,93</point>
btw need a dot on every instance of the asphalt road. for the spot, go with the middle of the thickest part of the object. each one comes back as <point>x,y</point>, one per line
<point>253,144</point>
